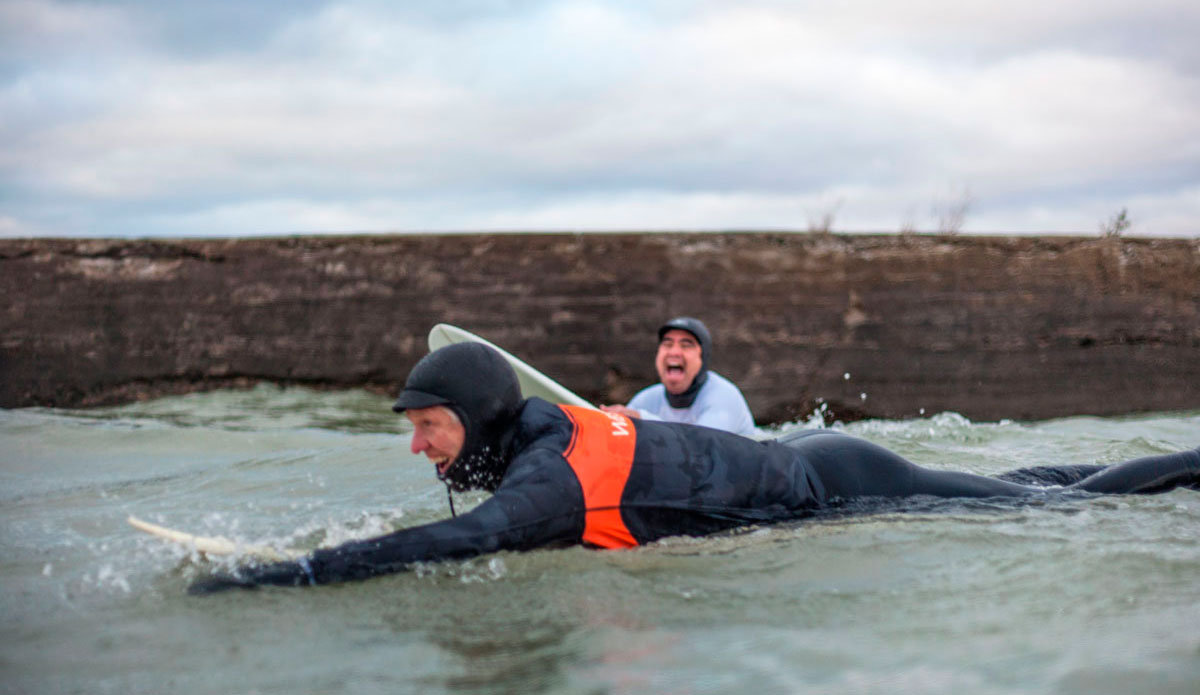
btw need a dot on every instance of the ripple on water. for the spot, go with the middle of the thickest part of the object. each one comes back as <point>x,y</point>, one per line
<point>1080,595</point>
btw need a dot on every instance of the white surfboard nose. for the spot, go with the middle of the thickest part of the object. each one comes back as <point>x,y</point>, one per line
<point>533,382</point>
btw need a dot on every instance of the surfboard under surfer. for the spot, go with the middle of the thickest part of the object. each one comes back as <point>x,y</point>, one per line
<point>567,475</point>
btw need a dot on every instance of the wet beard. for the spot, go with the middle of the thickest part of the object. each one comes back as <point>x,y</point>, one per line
<point>484,457</point>
<point>685,399</point>
<point>480,469</point>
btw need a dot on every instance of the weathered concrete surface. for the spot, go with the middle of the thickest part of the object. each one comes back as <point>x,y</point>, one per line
<point>992,328</point>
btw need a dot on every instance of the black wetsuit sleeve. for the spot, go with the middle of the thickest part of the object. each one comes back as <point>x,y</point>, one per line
<point>539,503</point>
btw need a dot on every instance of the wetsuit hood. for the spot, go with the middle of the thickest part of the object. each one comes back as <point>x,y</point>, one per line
<point>697,328</point>
<point>475,382</point>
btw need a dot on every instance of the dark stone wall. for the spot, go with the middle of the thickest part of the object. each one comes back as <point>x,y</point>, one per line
<point>990,327</point>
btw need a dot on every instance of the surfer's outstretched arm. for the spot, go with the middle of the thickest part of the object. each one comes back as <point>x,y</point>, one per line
<point>532,512</point>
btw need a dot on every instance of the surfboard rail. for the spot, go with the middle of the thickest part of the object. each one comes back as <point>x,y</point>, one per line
<point>533,382</point>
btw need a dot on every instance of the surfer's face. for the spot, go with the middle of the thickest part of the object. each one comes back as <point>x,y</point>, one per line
<point>437,433</point>
<point>678,361</point>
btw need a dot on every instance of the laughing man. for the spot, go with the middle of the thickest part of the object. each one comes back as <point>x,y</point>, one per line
<point>689,392</point>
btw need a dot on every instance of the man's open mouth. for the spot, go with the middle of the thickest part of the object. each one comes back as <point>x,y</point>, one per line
<point>442,463</point>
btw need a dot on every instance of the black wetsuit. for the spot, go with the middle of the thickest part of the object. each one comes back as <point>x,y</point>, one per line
<point>687,480</point>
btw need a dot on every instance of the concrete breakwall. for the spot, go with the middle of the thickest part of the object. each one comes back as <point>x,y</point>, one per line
<point>868,326</point>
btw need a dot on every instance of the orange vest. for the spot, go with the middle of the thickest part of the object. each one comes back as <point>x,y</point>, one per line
<point>601,454</point>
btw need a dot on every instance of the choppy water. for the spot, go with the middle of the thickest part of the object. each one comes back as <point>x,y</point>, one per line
<point>1088,596</point>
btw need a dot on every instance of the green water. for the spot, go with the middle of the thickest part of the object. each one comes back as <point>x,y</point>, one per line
<point>1085,596</point>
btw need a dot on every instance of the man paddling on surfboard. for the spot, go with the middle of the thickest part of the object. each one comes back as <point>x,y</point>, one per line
<point>569,475</point>
<point>688,391</point>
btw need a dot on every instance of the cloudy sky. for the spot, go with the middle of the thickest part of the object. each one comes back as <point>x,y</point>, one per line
<point>233,117</point>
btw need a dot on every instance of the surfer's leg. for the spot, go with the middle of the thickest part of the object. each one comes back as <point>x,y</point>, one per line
<point>1051,475</point>
<point>849,467</point>
<point>1148,475</point>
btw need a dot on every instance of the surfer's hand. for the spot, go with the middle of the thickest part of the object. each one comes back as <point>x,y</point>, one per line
<point>621,410</point>
<point>278,574</point>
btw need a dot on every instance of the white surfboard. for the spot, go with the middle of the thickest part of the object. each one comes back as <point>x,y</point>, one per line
<point>533,382</point>
<point>214,545</point>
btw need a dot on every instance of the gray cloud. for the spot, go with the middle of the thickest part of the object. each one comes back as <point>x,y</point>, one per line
<point>125,118</point>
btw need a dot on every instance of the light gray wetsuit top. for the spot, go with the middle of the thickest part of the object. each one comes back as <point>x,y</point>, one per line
<point>719,405</point>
